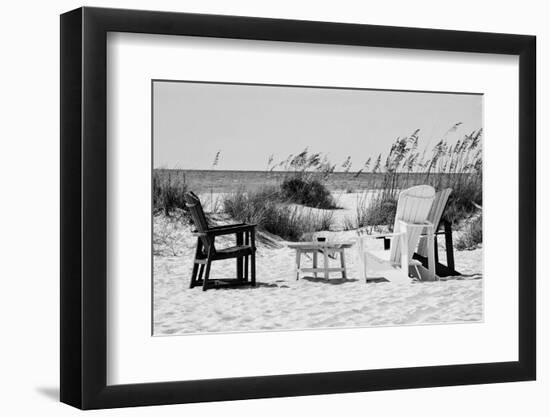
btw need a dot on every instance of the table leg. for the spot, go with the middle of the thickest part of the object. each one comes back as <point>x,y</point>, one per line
<point>343,263</point>
<point>298,255</point>
<point>315,263</point>
<point>362,257</point>
<point>325,253</point>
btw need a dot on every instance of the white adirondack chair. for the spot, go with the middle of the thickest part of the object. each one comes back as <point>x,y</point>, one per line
<point>397,265</point>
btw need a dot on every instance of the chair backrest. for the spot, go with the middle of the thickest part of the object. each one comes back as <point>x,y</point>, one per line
<point>198,217</point>
<point>413,206</point>
<point>434,217</point>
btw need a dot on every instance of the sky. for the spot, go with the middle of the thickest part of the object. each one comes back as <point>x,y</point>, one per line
<point>247,124</point>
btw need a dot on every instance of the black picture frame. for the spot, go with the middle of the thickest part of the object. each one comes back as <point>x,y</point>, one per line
<point>84,207</point>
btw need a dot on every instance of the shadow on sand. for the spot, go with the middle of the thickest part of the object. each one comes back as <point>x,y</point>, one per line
<point>49,392</point>
<point>281,283</point>
<point>246,287</point>
<point>331,281</point>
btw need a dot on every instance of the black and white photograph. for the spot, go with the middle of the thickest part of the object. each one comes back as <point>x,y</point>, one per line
<point>275,208</point>
<point>279,207</point>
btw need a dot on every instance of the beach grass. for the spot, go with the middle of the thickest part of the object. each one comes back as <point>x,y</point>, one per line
<point>472,235</point>
<point>305,179</point>
<point>311,180</point>
<point>457,166</point>
<point>266,209</point>
<point>309,192</point>
<point>168,191</point>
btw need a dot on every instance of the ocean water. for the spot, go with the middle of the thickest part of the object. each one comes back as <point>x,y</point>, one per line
<point>221,181</point>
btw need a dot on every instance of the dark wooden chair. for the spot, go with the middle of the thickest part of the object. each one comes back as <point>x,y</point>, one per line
<point>206,252</point>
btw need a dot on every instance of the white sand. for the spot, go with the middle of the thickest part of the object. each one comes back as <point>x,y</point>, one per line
<point>280,302</point>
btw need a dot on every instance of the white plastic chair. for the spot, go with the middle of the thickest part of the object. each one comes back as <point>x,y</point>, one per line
<point>395,265</point>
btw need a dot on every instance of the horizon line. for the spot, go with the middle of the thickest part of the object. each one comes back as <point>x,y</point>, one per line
<point>281,171</point>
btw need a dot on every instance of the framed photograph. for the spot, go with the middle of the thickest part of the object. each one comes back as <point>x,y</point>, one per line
<point>257,208</point>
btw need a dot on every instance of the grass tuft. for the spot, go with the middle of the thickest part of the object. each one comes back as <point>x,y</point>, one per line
<point>472,236</point>
<point>310,192</point>
<point>457,166</point>
<point>169,192</point>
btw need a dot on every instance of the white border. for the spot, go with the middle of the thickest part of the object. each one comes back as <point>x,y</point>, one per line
<point>135,357</point>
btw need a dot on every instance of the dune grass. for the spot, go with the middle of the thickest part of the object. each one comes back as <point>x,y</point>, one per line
<point>457,166</point>
<point>266,209</point>
<point>168,191</point>
<point>302,179</point>
<point>309,192</point>
<point>472,235</point>
<point>305,178</point>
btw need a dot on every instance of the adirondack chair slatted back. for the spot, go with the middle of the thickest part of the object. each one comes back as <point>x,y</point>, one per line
<point>413,206</point>
<point>434,216</point>
<point>198,217</point>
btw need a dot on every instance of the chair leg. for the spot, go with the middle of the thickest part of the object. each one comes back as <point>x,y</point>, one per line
<point>246,258</point>
<point>201,271</point>
<point>253,269</point>
<point>194,275</point>
<point>404,244</point>
<point>449,245</point>
<point>206,274</point>
<point>195,264</point>
<point>431,253</point>
<point>436,250</point>
<point>239,258</point>
<point>253,259</point>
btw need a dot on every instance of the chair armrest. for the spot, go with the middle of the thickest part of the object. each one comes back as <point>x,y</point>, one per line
<point>439,232</point>
<point>230,229</point>
<point>417,225</point>
<point>199,234</point>
<point>394,234</point>
<point>381,235</point>
<point>225,226</point>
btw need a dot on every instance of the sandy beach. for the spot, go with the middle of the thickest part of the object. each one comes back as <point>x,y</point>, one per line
<point>280,302</point>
